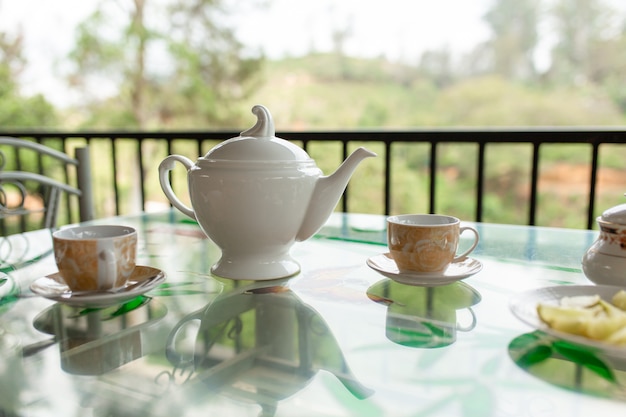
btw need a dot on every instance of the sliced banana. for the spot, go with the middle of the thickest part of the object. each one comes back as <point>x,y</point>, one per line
<point>619,300</point>
<point>589,316</point>
<point>581,301</point>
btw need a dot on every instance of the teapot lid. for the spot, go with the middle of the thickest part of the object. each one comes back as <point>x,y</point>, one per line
<point>615,214</point>
<point>258,143</point>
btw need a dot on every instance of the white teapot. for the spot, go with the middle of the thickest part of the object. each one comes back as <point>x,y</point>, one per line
<point>255,195</point>
<point>605,261</point>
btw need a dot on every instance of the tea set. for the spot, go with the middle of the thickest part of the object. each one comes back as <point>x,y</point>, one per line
<point>255,195</point>
<point>97,267</point>
<point>423,250</point>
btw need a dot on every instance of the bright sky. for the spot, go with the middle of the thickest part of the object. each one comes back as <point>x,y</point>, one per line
<point>395,28</point>
<point>398,29</point>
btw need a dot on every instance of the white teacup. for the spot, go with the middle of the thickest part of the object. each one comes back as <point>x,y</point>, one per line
<point>95,257</point>
<point>426,242</point>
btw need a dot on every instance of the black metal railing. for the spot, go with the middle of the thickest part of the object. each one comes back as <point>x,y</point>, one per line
<point>434,138</point>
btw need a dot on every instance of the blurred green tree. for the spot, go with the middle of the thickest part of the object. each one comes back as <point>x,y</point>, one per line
<point>591,48</point>
<point>168,64</point>
<point>17,110</point>
<point>582,27</point>
<point>514,27</point>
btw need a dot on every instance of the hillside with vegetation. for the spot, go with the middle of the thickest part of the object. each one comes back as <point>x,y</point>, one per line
<point>330,91</point>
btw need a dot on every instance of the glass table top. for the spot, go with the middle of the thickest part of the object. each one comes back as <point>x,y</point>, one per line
<point>338,339</point>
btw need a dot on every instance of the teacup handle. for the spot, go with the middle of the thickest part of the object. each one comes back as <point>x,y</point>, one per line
<point>164,168</point>
<point>471,325</point>
<point>108,278</point>
<point>467,252</point>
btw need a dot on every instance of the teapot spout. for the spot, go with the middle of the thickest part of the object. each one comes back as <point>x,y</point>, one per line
<point>328,191</point>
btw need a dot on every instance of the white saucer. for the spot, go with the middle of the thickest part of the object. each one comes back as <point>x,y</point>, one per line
<point>464,268</point>
<point>54,288</point>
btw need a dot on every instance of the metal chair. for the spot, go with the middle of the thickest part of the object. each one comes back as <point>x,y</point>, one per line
<point>31,200</point>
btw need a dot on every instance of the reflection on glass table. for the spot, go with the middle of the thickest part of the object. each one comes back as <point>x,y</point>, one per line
<point>96,341</point>
<point>425,317</point>
<point>259,343</point>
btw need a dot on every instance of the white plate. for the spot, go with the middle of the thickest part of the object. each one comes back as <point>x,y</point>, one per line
<point>524,307</point>
<point>385,265</point>
<point>54,288</point>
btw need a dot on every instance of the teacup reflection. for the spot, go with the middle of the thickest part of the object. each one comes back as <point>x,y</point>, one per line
<point>96,341</point>
<point>425,317</point>
<point>258,343</point>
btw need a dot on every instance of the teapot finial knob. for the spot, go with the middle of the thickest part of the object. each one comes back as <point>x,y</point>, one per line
<point>264,126</point>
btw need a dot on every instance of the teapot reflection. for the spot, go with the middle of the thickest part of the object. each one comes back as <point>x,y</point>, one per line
<point>259,344</point>
<point>96,341</point>
<point>425,317</point>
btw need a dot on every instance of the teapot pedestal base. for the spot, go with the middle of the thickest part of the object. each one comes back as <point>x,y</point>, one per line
<point>256,269</point>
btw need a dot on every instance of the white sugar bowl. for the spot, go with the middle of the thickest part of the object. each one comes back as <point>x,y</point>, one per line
<point>605,261</point>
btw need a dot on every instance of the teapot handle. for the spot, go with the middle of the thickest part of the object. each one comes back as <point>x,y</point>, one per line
<point>164,168</point>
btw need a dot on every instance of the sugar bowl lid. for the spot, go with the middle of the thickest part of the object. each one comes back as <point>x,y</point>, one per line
<point>258,144</point>
<point>615,215</point>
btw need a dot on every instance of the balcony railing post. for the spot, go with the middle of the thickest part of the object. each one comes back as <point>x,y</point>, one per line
<point>480,182</point>
<point>113,141</point>
<point>387,177</point>
<point>593,178</point>
<point>433,176</point>
<point>142,173</point>
<point>344,205</point>
<point>532,209</point>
